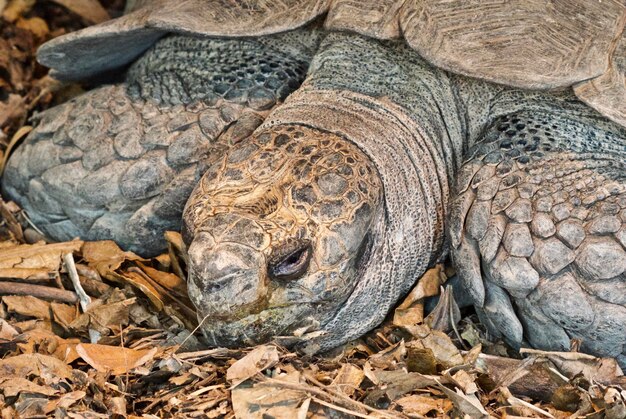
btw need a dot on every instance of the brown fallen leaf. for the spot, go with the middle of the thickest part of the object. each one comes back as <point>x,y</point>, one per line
<point>16,8</point>
<point>442,347</point>
<point>46,342</point>
<point>602,370</point>
<point>34,275</point>
<point>394,384</point>
<point>421,360</point>
<point>529,378</point>
<point>8,209</point>
<point>411,310</point>
<point>140,282</point>
<point>423,405</point>
<point>388,358</point>
<point>28,306</point>
<point>466,404</point>
<point>466,381</point>
<point>47,367</point>
<point>104,317</point>
<point>106,257</point>
<point>12,386</point>
<point>258,360</point>
<point>177,252</point>
<point>253,401</point>
<point>63,314</point>
<point>114,359</point>
<point>348,379</point>
<point>7,332</point>
<point>38,255</point>
<point>36,25</point>
<point>90,10</point>
<point>167,280</point>
<point>66,400</point>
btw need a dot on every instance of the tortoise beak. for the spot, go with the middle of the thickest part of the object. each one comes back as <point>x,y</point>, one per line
<point>227,281</point>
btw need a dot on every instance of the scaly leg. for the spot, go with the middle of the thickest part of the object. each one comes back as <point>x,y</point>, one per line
<point>120,161</point>
<point>539,230</point>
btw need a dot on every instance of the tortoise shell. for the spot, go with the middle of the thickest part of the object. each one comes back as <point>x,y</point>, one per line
<point>533,44</point>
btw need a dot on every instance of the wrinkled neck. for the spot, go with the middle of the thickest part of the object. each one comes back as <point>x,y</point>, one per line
<point>404,115</point>
<point>409,236</point>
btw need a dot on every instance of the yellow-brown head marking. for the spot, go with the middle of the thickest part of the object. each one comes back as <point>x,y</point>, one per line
<point>277,231</point>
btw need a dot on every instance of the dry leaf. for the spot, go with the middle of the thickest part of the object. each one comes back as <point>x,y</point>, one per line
<point>66,400</point>
<point>26,365</point>
<point>114,359</point>
<point>444,350</point>
<point>37,256</point>
<point>104,317</point>
<point>388,358</point>
<point>46,342</point>
<point>254,401</point>
<point>422,405</point>
<point>466,404</point>
<point>36,25</point>
<point>12,386</point>
<point>90,10</point>
<point>522,377</point>
<point>63,314</point>
<point>394,384</point>
<point>6,208</point>
<point>348,379</point>
<point>139,281</point>
<point>7,331</point>
<point>16,8</point>
<point>465,381</point>
<point>411,310</point>
<point>261,358</point>
<point>421,360</point>
<point>106,257</point>
<point>167,280</point>
<point>602,370</point>
<point>28,306</point>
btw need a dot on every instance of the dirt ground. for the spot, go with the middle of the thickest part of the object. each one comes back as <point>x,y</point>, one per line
<point>88,330</point>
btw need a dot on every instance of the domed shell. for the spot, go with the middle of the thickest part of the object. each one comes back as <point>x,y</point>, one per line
<point>535,44</point>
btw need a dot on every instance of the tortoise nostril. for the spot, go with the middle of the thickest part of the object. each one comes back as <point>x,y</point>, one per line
<point>290,260</point>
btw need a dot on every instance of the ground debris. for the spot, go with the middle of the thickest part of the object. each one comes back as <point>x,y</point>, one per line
<point>148,361</point>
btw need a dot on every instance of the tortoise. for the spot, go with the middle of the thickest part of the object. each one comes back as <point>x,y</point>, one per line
<point>314,154</point>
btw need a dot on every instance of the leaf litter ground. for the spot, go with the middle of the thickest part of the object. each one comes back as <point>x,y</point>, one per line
<point>88,330</point>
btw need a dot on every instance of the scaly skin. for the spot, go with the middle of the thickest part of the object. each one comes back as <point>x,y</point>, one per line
<point>539,230</point>
<point>287,201</point>
<point>315,225</point>
<point>120,161</point>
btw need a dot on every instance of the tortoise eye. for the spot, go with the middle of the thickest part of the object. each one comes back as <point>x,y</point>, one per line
<point>290,261</point>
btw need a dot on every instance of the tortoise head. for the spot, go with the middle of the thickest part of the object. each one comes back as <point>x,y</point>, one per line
<point>279,232</point>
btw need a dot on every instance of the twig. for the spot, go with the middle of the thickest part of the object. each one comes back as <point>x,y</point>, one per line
<point>31,224</point>
<point>39,291</point>
<point>341,409</point>
<point>85,300</point>
<point>345,400</point>
<point>514,401</point>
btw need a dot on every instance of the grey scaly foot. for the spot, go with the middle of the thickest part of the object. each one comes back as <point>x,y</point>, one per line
<point>120,161</point>
<point>539,230</point>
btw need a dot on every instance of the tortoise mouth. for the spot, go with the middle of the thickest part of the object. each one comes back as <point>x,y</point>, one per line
<point>263,327</point>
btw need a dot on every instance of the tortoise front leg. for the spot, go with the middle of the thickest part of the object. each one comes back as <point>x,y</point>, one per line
<point>120,161</point>
<point>538,231</point>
